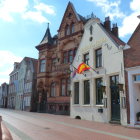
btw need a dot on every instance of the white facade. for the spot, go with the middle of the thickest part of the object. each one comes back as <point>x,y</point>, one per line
<point>134,93</point>
<point>112,64</point>
<point>21,78</point>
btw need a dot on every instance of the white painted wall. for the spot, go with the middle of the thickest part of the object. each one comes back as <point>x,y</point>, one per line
<point>134,94</point>
<point>112,65</point>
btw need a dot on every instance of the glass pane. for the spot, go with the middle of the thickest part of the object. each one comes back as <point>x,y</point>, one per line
<point>86,92</point>
<point>76,93</point>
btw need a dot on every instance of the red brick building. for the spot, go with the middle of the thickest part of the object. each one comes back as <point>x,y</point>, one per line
<point>55,55</point>
<point>132,76</point>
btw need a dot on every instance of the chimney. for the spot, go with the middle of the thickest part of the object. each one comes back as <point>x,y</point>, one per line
<point>107,24</point>
<point>115,30</point>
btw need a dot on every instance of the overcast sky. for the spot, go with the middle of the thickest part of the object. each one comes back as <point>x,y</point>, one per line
<point>23,24</point>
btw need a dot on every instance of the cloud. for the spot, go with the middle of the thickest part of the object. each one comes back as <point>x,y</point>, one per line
<point>35,16</point>
<point>45,8</point>
<point>131,21</point>
<point>7,60</point>
<point>10,7</point>
<point>26,9</point>
<point>109,8</point>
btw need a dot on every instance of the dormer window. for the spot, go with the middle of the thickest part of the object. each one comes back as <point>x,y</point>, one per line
<point>67,30</point>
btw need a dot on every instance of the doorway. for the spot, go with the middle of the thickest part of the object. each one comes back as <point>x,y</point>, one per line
<point>115,98</point>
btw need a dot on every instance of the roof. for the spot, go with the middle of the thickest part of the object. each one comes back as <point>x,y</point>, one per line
<point>78,16</point>
<point>47,37</point>
<point>136,30</point>
<point>116,39</point>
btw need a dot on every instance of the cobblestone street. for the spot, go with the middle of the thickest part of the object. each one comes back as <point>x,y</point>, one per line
<point>41,126</point>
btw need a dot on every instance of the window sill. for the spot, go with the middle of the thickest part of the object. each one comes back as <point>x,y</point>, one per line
<point>76,105</point>
<point>99,68</point>
<point>88,105</point>
<point>99,105</point>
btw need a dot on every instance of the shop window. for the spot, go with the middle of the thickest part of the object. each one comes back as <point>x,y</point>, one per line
<point>76,93</point>
<point>98,54</point>
<point>99,92</point>
<point>42,65</point>
<point>86,92</point>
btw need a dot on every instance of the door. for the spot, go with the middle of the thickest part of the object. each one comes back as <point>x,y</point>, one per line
<point>115,98</point>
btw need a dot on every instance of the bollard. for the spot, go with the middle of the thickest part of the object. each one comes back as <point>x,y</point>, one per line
<point>5,134</point>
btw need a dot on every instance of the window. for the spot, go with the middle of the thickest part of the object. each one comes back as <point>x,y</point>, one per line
<point>65,57</point>
<point>42,65</point>
<point>99,58</point>
<point>75,50</point>
<point>86,58</point>
<point>72,28</point>
<point>136,77</point>
<point>53,89</point>
<point>54,61</point>
<point>86,92</point>
<point>99,92</point>
<point>67,30</point>
<point>70,53</point>
<point>91,30</point>
<point>76,93</point>
<point>63,87</point>
<point>68,87</point>
<point>114,80</point>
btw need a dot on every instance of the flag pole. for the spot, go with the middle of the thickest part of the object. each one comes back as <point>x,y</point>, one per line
<point>92,68</point>
<point>77,69</point>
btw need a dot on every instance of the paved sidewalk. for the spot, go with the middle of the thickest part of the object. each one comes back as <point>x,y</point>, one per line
<point>41,126</point>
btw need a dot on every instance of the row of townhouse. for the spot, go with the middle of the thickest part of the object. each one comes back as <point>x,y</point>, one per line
<point>21,89</point>
<point>4,95</point>
<point>109,91</point>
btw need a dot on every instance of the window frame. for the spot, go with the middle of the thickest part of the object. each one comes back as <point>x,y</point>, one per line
<point>98,58</point>
<point>53,89</point>
<point>86,96</point>
<point>86,60</point>
<point>42,67</point>
<point>76,93</point>
<point>99,92</point>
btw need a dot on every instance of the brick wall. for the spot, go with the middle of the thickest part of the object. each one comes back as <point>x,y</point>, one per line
<point>131,59</point>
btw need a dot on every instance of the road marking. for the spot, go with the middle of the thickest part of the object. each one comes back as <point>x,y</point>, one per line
<point>17,132</point>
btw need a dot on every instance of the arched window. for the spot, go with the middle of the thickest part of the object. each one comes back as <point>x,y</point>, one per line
<point>53,89</point>
<point>67,30</point>
<point>72,28</point>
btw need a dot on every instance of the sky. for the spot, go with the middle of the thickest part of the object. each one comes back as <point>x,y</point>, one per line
<point>23,24</point>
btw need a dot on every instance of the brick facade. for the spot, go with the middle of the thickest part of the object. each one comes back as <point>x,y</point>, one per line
<point>58,52</point>
<point>131,59</point>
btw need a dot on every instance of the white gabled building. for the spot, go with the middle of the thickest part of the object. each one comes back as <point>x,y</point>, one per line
<point>99,96</point>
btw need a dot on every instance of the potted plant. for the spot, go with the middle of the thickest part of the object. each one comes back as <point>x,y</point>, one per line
<point>138,116</point>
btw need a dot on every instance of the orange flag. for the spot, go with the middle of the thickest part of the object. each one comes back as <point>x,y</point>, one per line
<point>82,67</point>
